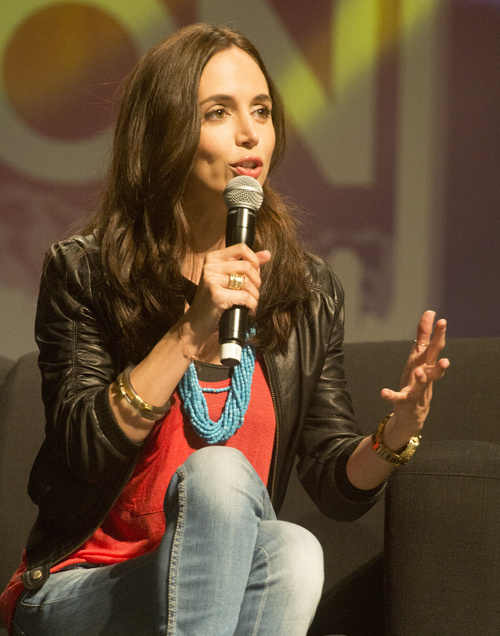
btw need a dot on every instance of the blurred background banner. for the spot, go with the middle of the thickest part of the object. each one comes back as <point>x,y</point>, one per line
<point>394,142</point>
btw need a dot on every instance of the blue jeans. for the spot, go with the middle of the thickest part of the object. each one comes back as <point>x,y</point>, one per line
<point>225,567</point>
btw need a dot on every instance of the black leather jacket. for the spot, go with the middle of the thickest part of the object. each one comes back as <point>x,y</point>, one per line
<point>86,459</point>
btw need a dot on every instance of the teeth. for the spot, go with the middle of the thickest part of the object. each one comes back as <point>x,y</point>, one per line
<point>248,164</point>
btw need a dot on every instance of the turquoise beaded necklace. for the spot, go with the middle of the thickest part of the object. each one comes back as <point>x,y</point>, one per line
<point>236,405</point>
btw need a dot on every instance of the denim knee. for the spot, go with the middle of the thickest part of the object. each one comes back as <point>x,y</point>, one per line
<point>216,463</point>
<point>217,483</point>
<point>299,563</point>
<point>215,470</point>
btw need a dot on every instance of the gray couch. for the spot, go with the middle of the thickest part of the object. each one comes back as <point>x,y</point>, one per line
<point>439,573</point>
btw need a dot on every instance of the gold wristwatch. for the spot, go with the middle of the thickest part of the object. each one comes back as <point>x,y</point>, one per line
<point>386,453</point>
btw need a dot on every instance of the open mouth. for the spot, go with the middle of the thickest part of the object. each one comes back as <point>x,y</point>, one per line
<point>251,166</point>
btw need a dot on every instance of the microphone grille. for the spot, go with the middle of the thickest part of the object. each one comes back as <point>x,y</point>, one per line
<point>243,192</point>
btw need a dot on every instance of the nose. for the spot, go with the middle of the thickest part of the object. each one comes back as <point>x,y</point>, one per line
<point>247,134</point>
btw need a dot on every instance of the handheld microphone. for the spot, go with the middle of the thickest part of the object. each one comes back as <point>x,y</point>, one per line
<point>243,197</point>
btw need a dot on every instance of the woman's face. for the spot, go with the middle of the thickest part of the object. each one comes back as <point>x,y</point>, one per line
<point>237,133</point>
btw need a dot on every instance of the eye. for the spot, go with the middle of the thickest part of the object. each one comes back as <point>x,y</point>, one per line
<point>216,114</point>
<point>262,113</point>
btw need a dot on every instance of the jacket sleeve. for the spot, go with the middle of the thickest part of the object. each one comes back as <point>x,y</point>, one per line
<point>330,433</point>
<point>78,361</point>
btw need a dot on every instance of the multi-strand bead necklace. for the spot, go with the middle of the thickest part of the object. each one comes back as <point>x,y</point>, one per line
<point>232,417</point>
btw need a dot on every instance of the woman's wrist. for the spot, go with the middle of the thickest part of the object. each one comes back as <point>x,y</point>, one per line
<point>395,436</point>
<point>142,408</point>
<point>397,457</point>
<point>190,342</point>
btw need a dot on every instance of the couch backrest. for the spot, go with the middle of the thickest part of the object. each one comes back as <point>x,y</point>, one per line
<point>466,402</point>
<point>21,434</point>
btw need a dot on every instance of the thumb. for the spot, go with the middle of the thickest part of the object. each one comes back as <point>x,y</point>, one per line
<point>264,256</point>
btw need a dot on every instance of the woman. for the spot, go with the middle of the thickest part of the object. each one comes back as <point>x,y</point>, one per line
<point>153,519</point>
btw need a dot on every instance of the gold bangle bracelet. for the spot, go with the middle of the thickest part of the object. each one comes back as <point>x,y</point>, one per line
<point>128,393</point>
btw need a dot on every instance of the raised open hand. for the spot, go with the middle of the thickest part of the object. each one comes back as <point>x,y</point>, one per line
<point>423,367</point>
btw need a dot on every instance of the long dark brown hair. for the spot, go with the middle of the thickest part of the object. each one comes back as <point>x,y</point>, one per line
<point>141,226</point>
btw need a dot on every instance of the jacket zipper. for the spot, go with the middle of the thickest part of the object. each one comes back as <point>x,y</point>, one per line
<point>277,436</point>
<point>108,510</point>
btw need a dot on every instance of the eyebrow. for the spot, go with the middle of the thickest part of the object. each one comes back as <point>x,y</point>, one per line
<point>221,97</point>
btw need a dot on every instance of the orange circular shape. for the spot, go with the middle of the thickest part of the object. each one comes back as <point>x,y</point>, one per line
<point>62,67</point>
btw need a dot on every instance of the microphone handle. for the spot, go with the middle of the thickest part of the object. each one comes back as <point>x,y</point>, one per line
<point>240,228</point>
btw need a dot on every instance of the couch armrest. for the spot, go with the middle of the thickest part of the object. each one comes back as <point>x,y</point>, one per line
<point>443,541</point>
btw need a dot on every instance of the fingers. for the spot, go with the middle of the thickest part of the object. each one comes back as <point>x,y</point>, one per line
<point>424,327</point>
<point>414,391</point>
<point>431,339</point>
<point>240,251</point>
<point>231,276</point>
<point>264,256</point>
<point>423,367</point>
<point>438,342</point>
<point>419,388</point>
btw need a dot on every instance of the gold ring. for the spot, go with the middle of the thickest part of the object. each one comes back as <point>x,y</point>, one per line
<point>237,281</point>
<point>422,344</point>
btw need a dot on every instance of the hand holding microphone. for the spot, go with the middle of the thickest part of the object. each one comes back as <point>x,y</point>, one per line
<point>243,197</point>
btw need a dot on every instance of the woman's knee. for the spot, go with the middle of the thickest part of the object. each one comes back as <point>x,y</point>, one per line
<point>218,477</point>
<point>296,559</point>
<point>213,458</point>
<point>216,466</point>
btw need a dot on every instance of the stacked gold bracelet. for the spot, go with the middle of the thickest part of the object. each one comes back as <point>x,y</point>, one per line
<point>386,453</point>
<point>128,393</point>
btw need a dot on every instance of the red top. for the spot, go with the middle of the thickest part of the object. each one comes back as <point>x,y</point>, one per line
<point>136,523</point>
